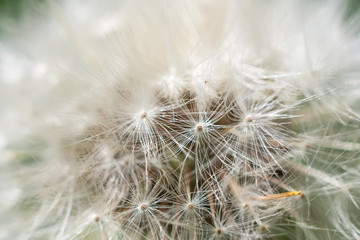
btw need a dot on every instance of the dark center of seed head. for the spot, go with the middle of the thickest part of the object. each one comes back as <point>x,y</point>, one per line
<point>143,207</point>
<point>218,231</point>
<point>199,128</point>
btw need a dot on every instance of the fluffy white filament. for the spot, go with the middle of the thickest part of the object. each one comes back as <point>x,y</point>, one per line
<point>180,120</point>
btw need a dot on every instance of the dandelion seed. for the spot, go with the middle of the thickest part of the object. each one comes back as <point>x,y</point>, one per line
<point>279,195</point>
<point>96,218</point>
<point>143,115</point>
<point>199,128</point>
<point>143,207</point>
<point>190,206</point>
<point>262,228</point>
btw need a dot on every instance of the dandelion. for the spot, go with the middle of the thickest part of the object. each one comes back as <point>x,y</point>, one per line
<point>180,120</point>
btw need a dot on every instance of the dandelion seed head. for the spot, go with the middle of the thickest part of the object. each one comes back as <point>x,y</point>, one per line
<point>185,120</point>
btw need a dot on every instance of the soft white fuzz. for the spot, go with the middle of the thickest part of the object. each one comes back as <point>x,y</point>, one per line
<point>180,120</point>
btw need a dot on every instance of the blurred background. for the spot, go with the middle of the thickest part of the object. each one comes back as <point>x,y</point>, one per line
<point>14,8</point>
